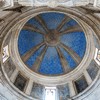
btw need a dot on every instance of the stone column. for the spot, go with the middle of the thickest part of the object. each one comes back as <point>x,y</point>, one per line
<point>87,77</point>
<point>72,89</point>
<point>29,87</point>
<point>95,3</point>
<point>14,75</point>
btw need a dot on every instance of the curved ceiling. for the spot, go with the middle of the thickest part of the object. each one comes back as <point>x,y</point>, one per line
<point>52,44</point>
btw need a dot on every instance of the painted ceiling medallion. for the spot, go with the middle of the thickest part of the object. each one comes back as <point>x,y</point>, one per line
<point>51,44</point>
<point>52,38</point>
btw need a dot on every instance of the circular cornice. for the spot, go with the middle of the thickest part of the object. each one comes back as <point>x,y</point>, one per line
<point>55,79</point>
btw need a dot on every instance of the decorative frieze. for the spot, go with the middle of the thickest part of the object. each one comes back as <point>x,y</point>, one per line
<point>53,3</point>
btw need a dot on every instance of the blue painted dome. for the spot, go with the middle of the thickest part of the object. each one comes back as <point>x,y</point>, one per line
<point>51,44</point>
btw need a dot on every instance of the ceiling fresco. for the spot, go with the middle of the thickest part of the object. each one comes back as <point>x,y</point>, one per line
<point>52,44</point>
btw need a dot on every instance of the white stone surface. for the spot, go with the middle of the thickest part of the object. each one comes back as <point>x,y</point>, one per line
<point>53,3</point>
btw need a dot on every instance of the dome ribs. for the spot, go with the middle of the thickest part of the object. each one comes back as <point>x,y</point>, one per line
<point>65,20</point>
<point>71,29</point>
<point>39,59</point>
<point>42,22</point>
<point>33,29</point>
<point>73,54</point>
<point>29,53</point>
<point>63,61</point>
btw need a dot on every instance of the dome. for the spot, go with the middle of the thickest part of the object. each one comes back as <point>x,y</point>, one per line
<point>51,44</point>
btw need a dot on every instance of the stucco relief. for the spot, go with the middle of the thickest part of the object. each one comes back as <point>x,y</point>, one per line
<point>50,3</point>
<point>53,3</point>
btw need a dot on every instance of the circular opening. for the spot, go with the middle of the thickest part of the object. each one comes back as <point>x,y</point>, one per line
<point>51,43</point>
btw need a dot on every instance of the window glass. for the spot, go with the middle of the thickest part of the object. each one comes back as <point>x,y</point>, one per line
<point>50,93</point>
